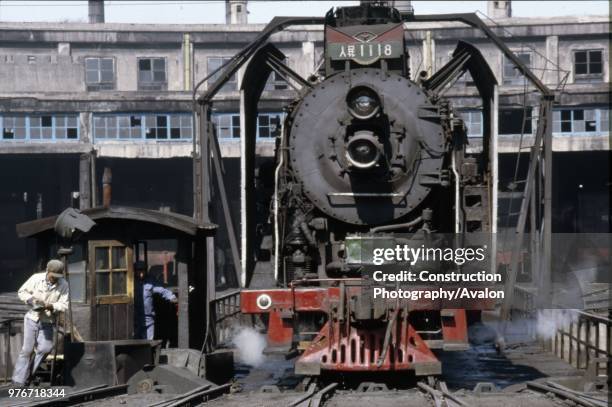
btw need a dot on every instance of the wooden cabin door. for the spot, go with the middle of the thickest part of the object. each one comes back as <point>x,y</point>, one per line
<point>112,290</point>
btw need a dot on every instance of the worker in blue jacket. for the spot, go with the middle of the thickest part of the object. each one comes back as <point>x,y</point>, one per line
<point>144,311</point>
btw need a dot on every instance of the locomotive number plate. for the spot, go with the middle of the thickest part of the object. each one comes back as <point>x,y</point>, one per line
<point>365,52</point>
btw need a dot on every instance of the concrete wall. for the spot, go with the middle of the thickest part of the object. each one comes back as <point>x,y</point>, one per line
<point>39,69</point>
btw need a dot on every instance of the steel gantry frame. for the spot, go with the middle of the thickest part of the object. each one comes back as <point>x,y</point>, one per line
<point>207,156</point>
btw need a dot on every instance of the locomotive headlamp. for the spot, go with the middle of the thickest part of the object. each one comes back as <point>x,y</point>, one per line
<point>363,150</point>
<point>264,301</point>
<point>363,103</point>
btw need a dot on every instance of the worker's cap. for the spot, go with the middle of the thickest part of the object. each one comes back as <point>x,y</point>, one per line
<point>55,268</point>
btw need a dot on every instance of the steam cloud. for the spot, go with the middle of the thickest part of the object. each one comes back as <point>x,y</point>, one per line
<point>550,320</point>
<point>250,344</point>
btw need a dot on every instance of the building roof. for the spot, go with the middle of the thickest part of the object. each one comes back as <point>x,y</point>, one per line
<point>174,221</point>
<point>256,28</point>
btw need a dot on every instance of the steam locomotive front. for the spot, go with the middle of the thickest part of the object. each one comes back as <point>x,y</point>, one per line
<point>366,153</point>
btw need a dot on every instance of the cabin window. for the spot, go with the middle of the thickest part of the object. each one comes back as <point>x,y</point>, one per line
<point>76,274</point>
<point>112,271</point>
<point>76,271</point>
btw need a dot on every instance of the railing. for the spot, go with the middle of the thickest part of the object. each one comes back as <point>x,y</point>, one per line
<point>579,337</point>
<point>225,308</point>
<point>584,337</point>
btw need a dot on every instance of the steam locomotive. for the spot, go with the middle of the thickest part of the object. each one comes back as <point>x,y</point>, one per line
<point>366,153</point>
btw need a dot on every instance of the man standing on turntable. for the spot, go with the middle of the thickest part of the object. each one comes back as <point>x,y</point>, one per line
<point>47,295</point>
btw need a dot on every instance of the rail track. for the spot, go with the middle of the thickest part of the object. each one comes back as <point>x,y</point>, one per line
<point>544,393</point>
<point>530,394</point>
<point>525,375</point>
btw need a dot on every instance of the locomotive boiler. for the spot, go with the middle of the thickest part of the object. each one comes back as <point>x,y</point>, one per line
<point>368,153</point>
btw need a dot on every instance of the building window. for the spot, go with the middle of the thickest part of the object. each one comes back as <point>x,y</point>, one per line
<point>512,75</point>
<point>50,127</point>
<point>586,121</point>
<point>157,126</point>
<point>66,127</point>
<point>588,65</point>
<point>473,122</point>
<point>99,73</point>
<point>214,63</point>
<point>276,82</point>
<point>14,127</point>
<point>129,126</point>
<point>228,125</point>
<point>152,74</point>
<point>104,127</point>
<point>268,125</point>
<point>515,121</point>
<point>181,127</point>
<point>41,127</point>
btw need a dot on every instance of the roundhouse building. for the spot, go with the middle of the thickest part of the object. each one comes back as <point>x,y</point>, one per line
<point>76,98</point>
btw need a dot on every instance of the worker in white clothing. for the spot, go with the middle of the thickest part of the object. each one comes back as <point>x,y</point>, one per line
<point>47,294</point>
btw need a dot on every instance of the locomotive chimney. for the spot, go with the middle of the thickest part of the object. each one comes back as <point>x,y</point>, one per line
<point>499,9</point>
<point>96,11</point>
<point>107,179</point>
<point>236,12</point>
